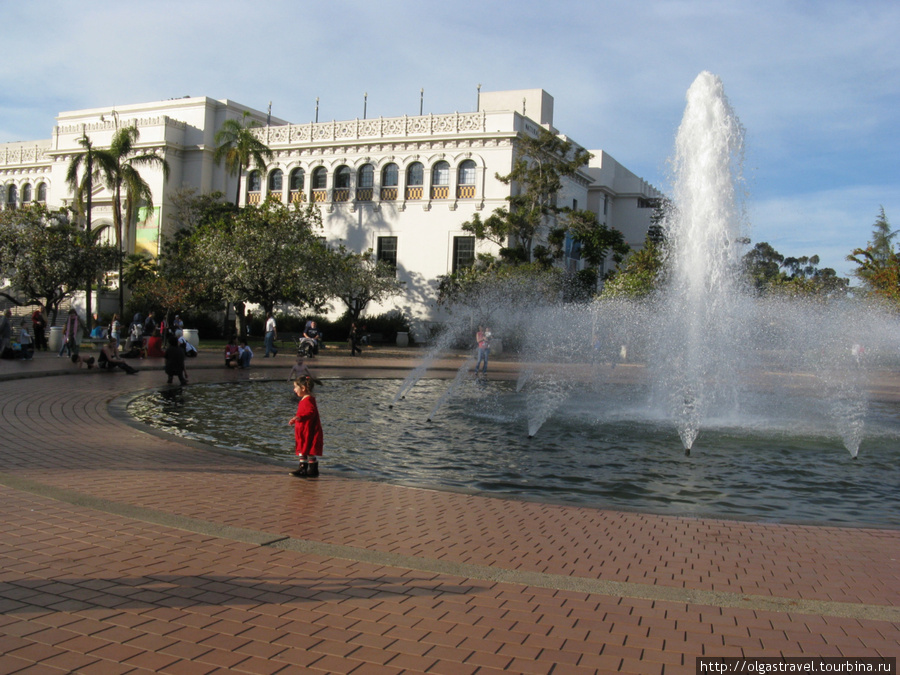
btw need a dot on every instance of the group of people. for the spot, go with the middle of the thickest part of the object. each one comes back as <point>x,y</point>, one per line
<point>23,347</point>
<point>237,355</point>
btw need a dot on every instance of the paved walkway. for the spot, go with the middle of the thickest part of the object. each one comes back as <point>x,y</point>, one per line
<point>122,552</point>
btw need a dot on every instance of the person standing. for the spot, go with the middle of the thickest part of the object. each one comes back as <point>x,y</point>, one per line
<point>175,363</point>
<point>354,340</point>
<point>26,344</point>
<point>483,339</point>
<point>39,325</point>
<point>115,329</point>
<point>5,332</point>
<point>307,430</point>
<point>73,332</point>
<point>271,336</point>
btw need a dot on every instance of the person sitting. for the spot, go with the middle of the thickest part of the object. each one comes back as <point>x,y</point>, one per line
<point>232,352</point>
<point>189,349</point>
<point>154,346</point>
<point>244,354</point>
<point>313,333</point>
<point>99,332</point>
<point>26,344</point>
<point>110,359</point>
<point>80,361</point>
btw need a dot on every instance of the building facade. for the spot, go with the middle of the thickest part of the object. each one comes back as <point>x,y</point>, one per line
<point>401,186</point>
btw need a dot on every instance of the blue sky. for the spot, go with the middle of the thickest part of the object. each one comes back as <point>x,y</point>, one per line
<point>815,83</point>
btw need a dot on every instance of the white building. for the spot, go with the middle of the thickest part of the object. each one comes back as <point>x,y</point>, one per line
<point>401,186</point>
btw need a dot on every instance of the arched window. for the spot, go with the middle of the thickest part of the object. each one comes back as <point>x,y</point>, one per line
<point>415,179</point>
<point>276,179</point>
<point>440,181</point>
<point>319,180</point>
<point>254,184</point>
<point>390,179</point>
<point>366,178</point>
<point>342,177</point>
<point>365,181</point>
<point>12,196</point>
<point>465,188</point>
<point>298,177</point>
<point>42,193</point>
<point>26,193</point>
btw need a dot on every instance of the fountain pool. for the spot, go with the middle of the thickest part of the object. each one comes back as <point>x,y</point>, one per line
<point>595,449</point>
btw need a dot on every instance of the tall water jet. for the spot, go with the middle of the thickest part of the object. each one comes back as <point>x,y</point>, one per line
<point>697,346</point>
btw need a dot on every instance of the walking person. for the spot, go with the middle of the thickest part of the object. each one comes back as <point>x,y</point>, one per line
<point>307,430</point>
<point>175,363</point>
<point>271,336</point>
<point>72,333</point>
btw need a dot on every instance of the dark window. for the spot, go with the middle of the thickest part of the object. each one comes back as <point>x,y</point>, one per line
<point>467,173</point>
<point>390,176</point>
<point>342,177</point>
<point>254,181</point>
<point>463,252</point>
<point>440,174</point>
<point>276,178</point>
<point>42,192</point>
<point>319,178</point>
<point>12,196</point>
<point>298,176</point>
<point>387,251</point>
<point>415,174</point>
<point>366,176</point>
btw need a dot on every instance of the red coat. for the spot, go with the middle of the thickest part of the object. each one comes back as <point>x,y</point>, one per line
<point>308,428</point>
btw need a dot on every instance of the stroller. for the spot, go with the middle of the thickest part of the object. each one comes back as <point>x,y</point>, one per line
<point>306,347</point>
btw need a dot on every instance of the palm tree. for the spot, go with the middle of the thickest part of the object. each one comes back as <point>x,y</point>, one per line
<point>89,164</point>
<point>238,146</point>
<point>122,171</point>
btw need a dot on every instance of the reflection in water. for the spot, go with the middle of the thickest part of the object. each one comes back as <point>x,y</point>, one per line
<point>593,449</point>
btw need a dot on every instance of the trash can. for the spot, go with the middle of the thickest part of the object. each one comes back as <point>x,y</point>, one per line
<point>402,339</point>
<point>191,335</point>
<point>55,341</point>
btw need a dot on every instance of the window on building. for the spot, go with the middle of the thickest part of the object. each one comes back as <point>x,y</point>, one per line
<point>366,177</point>
<point>463,252</point>
<point>415,174</point>
<point>319,178</point>
<point>386,252</point>
<point>254,181</point>
<point>342,178</point>
<point>276,179</point>
<point>605,205</point>
<point>440,174</point>
<point>390,175</point>
<point>467,173</point>
<point>42,193</point>
<point>12,196</point>
<point>298,177</point>
<point>26,193</point>
<point>643,203</point>
<point>574,204</point>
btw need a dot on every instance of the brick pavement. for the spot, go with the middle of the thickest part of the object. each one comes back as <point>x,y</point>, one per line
<point>177,559</point>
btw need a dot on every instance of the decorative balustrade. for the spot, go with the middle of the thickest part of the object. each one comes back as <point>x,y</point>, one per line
<point>440,191</point>
<point>465,192</point>
<point>297,196</point>
<point>414,192</point>
<point>341,194</point>
<point>364,194</point>
<point>275,195</point>
<point>388,194</point>
<point>254,197</point>
<point>320,196</point>
<point>382,127</point>
<point>23,154</point>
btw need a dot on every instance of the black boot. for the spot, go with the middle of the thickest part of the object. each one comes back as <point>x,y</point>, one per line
<point>300,472</point>
<point>313,470</point>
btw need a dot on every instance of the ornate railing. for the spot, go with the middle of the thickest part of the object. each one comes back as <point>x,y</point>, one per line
<point>275,195</point>
<point>297,196</point>
<point>414,192</point>
<point>254,197</point>
<point>388,194</point>
<point>382,127</point>
<point>465,192</point>
<point>440,191</point>
<point>320,196</point>
<point>364,194</point>
<point>341,194</point>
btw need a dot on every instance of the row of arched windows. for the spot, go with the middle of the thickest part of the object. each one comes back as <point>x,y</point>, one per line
<point>12,194</point>
<point>389,187</point>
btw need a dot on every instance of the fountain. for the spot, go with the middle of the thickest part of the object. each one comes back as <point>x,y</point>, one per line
<point>766,391</point>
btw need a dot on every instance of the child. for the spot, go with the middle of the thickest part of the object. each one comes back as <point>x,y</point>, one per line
<point>307,429</point>
<point>301,370</point>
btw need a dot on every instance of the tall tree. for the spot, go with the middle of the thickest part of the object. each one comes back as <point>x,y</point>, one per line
<point>358,279</point>
<point>121,170</point>
<point>878,265</point>
<point>83,170</point>
<point>536,178</point>
<point>239,147</point>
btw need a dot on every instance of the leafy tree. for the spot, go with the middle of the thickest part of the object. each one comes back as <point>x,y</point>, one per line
<point>88,165</point>
<point>121,169</point>
<point>763,265</point>
<point>536,177</point>
<point>267,255</point>
<point>878,265</point>
<point>46,258</point>
<point>641,275</point>
<point>358,279</point>
<point>239,147</point>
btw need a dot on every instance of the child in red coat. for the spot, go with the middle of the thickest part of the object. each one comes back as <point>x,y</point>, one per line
<point>307,429</point>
